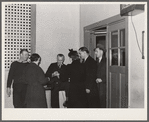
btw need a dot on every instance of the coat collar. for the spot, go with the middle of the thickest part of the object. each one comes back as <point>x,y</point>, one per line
<point>102,60</point>
<point>87,59</point>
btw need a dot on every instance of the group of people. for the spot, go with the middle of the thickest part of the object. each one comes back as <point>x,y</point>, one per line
<point>83,80</point>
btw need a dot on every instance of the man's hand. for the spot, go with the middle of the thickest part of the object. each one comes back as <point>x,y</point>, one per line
<point>8,91</point>
<point>48,79</point>
<point>98,80</point>
<point>56,73</point>
<point>87,91</point>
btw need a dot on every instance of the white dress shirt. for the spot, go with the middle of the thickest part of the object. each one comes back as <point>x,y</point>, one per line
<point>100,59</point>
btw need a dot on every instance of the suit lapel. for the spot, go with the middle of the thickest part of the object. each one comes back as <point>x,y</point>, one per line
<point>87,60</point>
<point>101,62</point>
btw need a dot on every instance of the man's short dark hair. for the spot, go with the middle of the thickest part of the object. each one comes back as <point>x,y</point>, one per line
<point>101,47</point>
<point>61,55</point>
<point>84,49</point>
<point>34,57</point>
<point>22,50</point>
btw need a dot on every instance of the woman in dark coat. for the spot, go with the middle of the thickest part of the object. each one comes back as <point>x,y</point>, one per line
<point>77,95</point>
<point>35,78</point>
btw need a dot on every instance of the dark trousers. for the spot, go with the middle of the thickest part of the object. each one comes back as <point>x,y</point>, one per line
<point>102,94</point>
<point>19,95</point>
<point>59,86</point>
<point>102,101</point>
<point>93,100</point>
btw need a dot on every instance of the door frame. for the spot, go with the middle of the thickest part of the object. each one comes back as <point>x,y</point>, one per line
<point>94,40</point>
<point>89,43</point>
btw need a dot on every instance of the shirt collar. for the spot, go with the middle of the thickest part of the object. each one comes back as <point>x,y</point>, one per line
<point>59,65</point>
<point>100,59</point>
<point>86,58</point>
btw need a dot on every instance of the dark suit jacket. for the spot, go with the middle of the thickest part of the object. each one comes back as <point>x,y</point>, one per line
<point>77,94</point>
<point>90,82</point>
<point>101,73</point>
<point>91,70</point>
<point>54,67</point>
<point>35,78</point>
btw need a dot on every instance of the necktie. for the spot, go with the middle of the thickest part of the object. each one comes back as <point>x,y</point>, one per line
<point>97,60</point>
<point>83,61</point>
<point>59,66</point>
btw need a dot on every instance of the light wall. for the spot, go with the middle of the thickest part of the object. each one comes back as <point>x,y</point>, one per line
<point>92,13</point>
<point>57,30</point>
<point>136,63</point>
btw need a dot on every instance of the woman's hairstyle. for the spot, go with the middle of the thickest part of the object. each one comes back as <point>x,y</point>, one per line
<point>34,57</point>
<point>73,54</point>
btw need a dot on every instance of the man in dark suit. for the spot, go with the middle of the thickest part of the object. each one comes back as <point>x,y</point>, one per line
<point>101,74</point>
<point>90,78</point>
<point>57,73</point>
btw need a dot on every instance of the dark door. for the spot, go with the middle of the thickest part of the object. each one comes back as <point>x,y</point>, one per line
<point>117,71</point>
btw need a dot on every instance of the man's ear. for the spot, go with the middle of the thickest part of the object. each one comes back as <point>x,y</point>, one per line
<point>102,52</point>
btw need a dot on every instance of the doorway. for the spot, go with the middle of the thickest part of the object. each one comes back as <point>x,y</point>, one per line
<point>100,39</point>
<point>113,34</point>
